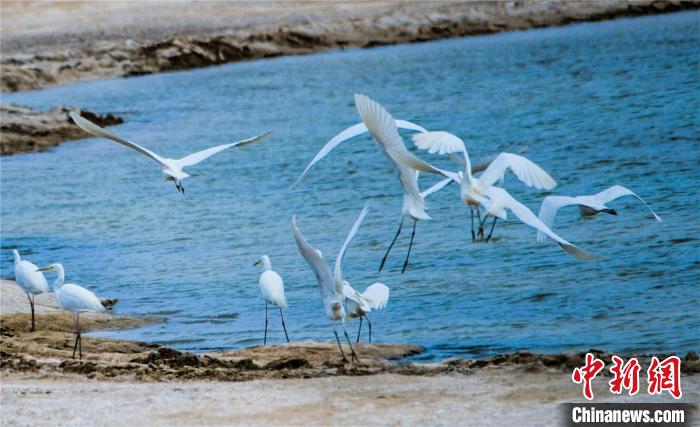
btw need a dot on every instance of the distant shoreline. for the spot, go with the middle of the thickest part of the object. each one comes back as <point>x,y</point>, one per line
<point>137,39</point>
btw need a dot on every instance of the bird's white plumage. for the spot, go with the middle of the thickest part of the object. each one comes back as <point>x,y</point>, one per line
<point>440,142</point>
<point>314,258</point>
<point>338,273</point>
<point>377,294</point>
<point>347,134</point>
<point>272,288</point>
<point>27,276</point>
<point>526,171</point>
<point>77,299</point>
<point>170,167</point>
<point>551,204</point>
<point>499,200</point>
<point>355,300</point>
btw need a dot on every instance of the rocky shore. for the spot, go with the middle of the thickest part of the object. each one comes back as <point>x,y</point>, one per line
<point>25,130</point>
<point>135,40</point>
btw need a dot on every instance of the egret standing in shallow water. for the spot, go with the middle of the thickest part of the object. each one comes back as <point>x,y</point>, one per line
<point>588,205</point>
<point>30,280</point>
<point>75,299</point>
<point>171,168</point>
<point>331,284</point>
<point>272,288</point>
<point>375,297</point>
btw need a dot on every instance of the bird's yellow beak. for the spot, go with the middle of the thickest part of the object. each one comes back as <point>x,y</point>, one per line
<point>257,262</point>
<point>48,268</point>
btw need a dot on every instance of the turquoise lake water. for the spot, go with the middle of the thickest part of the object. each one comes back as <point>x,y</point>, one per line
<point>595,104</point>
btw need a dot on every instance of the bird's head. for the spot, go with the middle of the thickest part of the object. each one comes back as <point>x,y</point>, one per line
<point>265,261</point>
<point>50,267</point>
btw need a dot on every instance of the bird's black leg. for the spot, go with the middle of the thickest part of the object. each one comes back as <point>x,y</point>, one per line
<point>80,338</point>
<point>283,325</point>
<point>492,227</point>
<point>369,324</point>
<point>386,255</point>
<point>471,211</point>
<point>77,334</point>
<point>410,245</point>
<point>482,221</point>
<point>359,330</point>
<point>353,355</point>
<point>31,304</point>
<point>265,339</point>
<point>345,359</point>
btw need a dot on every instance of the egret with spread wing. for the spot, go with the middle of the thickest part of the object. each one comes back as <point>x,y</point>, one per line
<point>588,205</point>
<point>30,280</point>
<point>375,297</point>
<point>75,299</point>
<point>472,190</point>
<point>272,289</point>
<point>330,283</point>
<point>171,168</point>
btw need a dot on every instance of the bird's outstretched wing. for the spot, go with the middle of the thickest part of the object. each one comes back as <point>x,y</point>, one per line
<point>548,210</point>
<point>377,294</point>
<point>526,171</point>
<point>349,133</point>
<point>92,128</point>
<point>439,186</point>
<point>501,196</point>
<point>314,258</point>
<point>350,293</point>
<point>338,276</point>
<point>439,142</point>
<point>617,191</point>
<point>197,157</point>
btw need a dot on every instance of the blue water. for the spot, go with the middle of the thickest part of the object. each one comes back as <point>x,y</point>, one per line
<point>595,104</point>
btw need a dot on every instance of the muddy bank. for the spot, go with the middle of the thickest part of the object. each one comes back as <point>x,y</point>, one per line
<point>188,35</point>
<point>25,130</point>
<point>46,354</point>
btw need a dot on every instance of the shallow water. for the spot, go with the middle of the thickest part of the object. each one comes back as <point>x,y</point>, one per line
<point>595,104</point>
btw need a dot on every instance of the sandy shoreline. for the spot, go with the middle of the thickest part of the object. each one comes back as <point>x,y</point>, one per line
<point>52,43</point>
<point>297,383</point>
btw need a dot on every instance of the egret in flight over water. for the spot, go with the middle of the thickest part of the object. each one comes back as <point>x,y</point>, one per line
<point>330,283</point>
<point>375,297</point>
<point>75,299</point>
<point>272,289</point>
<point>30,280</point>
<point>472,189</point>
<point>171,168</point>
<point>588,205</point>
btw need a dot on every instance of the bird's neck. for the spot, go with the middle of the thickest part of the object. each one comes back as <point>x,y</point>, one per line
<point>18,259</point>
<point>467,169</point>
<point>60,279</point>
<point>267,265</point>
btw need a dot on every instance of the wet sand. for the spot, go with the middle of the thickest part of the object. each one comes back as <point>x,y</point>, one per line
<point>291,384</point>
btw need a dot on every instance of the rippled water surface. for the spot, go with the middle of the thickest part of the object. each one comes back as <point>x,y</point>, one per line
<point>595,104</point>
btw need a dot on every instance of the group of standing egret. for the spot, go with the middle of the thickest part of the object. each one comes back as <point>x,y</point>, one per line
<point>484,195</point>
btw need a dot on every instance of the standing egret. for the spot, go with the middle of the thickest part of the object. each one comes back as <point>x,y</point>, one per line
<point>331,284</point>
<point>75,299</point>
<point>375,297</point>
<point>472,189</point>
<point>272,288</point>
<point>30,280</point>
<point>588,205</point>
<point>171,168</point>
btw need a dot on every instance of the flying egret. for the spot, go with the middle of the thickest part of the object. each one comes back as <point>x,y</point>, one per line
<point>588,205</point>
<point>497,200</point>
<point>75,299</point>
<point>375,297</point>
<point>30,280</point>
<point>472,189</point>
<point>171,168</point>
<point>331,284</point>
<point>272,288</point>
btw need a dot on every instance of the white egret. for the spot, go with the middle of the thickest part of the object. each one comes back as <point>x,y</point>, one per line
<point>472,189</point>
<point>75,299</point>
<point>588,205</point>
<point>272,289</point>
<point>30,280</point>
<point>375,297</point>
<point>496,202</point>
<point>171,168</point>
<point>331,284</point>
